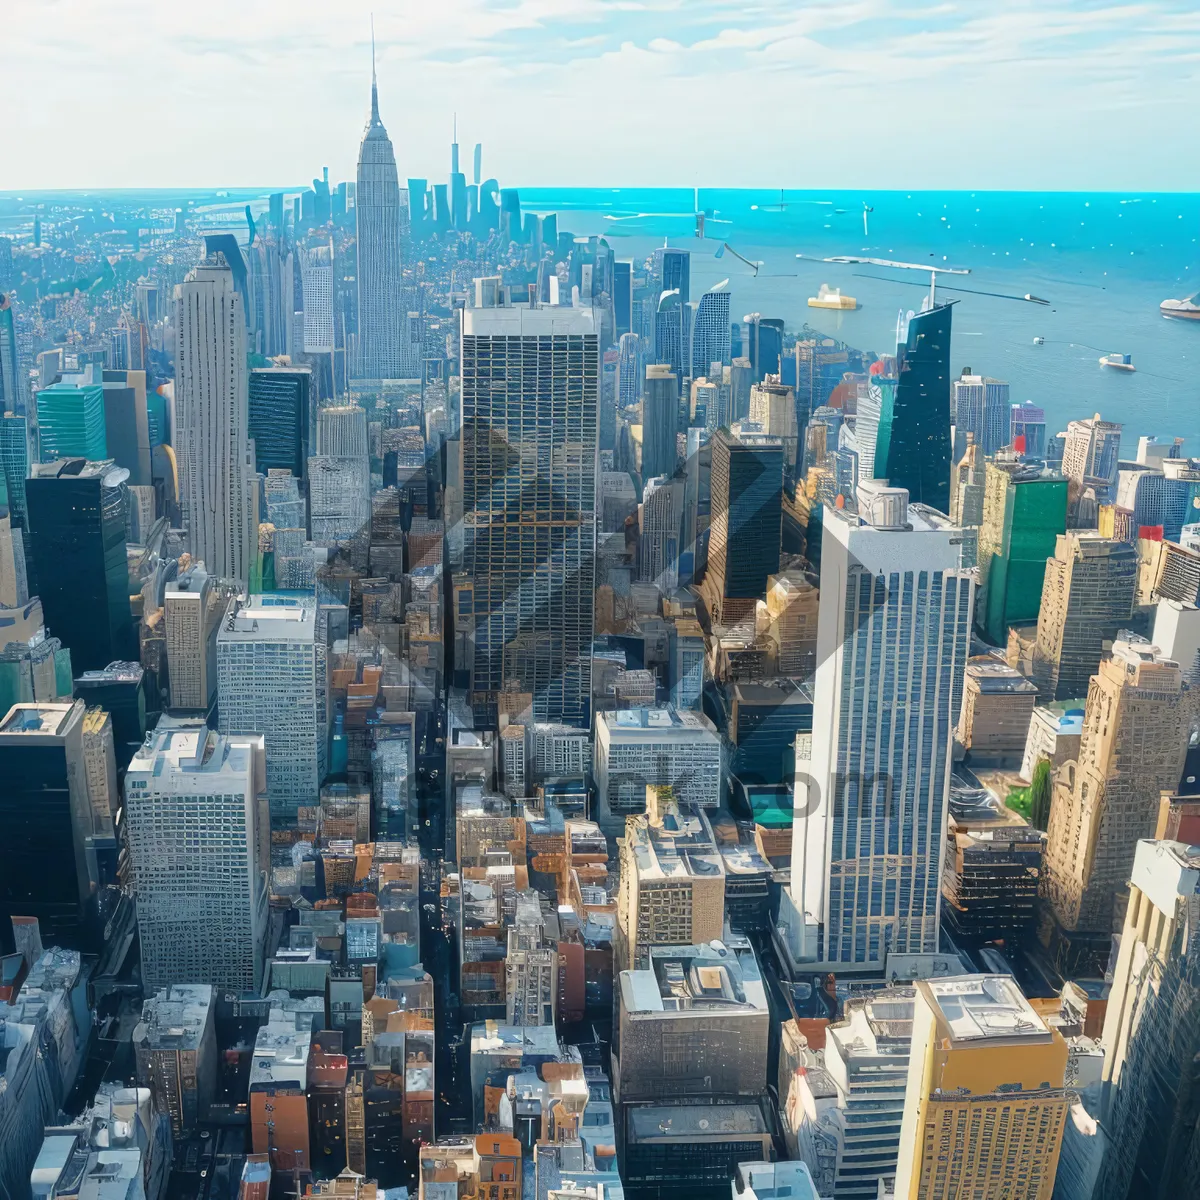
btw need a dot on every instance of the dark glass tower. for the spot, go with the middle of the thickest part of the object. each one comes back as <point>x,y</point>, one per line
<point>281,418</point>
<point>118,690</point>
<point>913,450</point>
<point>43,814</point>
<point>747,510</point>
<point>623,297</point>
<point>77,542</point>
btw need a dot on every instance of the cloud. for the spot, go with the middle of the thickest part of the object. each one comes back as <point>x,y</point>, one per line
<point>778,92</point>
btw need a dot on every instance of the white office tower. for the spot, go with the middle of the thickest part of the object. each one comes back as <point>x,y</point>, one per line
<point>893,635</point>
<point>661,519</point>
<point>191,630</point>
<point>271,679</point>
<point>530,389</point>
<point>638,748</point>
<point>194,814</point>
<point>317,282</point>
<point>339,477</point>
<point>216,486</point>
<point>342,431</point>
<point>377,210</point>
<point>339,499</point>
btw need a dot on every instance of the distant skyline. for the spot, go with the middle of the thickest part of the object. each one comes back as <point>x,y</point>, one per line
<point>1033,94</point>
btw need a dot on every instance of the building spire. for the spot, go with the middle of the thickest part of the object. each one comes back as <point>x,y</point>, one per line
<point>374,83</point>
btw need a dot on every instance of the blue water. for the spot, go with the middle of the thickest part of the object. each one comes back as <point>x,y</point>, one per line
<point>1104,261</point>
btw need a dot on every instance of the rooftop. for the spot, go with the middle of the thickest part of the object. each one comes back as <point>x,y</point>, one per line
<point>176,1018</point>
<point>695,1121</point>
<point>655,720</point>
<point>978,1008</point>
<point>38,720</point>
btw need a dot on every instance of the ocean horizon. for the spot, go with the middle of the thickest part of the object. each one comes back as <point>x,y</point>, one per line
<point>1104,261</point>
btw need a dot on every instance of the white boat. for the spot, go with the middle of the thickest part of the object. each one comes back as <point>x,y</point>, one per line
<point>1039,341</point>
<point>1118,362</point>
<point>832,298</point>
<point>1181,310</point>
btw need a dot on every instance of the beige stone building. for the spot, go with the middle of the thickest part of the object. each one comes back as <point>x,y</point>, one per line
<point>792,605</point>
<point>1087,597</point>
<point>997,705</point>
<point>672,879</point>
<point>1135,735</point>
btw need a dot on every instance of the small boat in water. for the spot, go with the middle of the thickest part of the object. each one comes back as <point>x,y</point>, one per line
<point>1182,310</point>
<point>1118,362</point>
<point>1035,299</point>
<point>1039,341</point>
<point>832,298</point>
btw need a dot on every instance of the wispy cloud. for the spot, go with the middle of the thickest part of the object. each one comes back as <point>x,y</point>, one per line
<point>910,92</point>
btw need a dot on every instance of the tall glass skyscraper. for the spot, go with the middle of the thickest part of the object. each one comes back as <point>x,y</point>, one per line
<point>893,637</point>
<point>77,543</point>
<point>12,395</point>
<point>282,418</point>
<point>710,333</point>
<point>913,448</point>
<point>660,419</point>
<point>377,208</point>
<point>530,390</point>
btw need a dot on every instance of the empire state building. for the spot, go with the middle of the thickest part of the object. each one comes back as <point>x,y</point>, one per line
<point>379,274</point>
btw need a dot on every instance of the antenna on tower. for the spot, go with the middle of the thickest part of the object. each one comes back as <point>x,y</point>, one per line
<point>374,83</point>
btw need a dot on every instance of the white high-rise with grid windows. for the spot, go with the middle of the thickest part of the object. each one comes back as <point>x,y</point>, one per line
<point>212,422</point>
<point>199,851</point>
<point>271,679</point>
<point>893,635</point>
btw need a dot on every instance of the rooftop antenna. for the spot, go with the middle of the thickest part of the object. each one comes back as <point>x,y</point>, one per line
<point>374,82</point>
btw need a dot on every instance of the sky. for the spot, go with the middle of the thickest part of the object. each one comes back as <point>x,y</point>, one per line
<point>1007,94</point>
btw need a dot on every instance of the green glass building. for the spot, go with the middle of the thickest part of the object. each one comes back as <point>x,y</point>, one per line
<point>913,446</point>
<point>71,422</point>
<point>1024,511</point>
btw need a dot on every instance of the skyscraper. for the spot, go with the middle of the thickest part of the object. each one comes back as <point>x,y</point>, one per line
<point>71,421</point>
<point>12,392</point>
<point>271,679</point>
<point>1091,455</point>
<point>670,270</point>
<point>710,333</point>
<point>530,385</point>
<point>986,1104</point>
<point>1028,422</point>
<point>199,851</point>
<point>1135,739</point>
<point>893,635</point>
<point>282,418</point>
<point>1152,1031</point>
<point>913,450</point>
<point>747,500</point>
<point>377,211</point>
<point>46,817</point>
<point>77,545</point>
<point>763,345</point>
<point>191,616</point>
<point>661,519</point>
<point>1024,511</point>
<point>660,420</point>
<point>622,297</point>
<point>216,496</point>
<point>1087,598</point>
<point>981,407</point>
<point>670,342</point>
<point>628,370</point>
